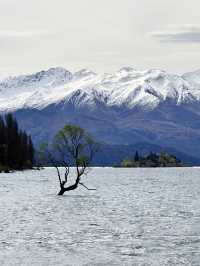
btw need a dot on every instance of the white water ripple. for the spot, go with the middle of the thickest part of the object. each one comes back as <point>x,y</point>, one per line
<point>135,217</point>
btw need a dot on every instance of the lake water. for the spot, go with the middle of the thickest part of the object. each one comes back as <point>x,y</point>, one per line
<point>135,217</point>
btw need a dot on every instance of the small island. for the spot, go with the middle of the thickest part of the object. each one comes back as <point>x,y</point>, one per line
<point>152,160</point>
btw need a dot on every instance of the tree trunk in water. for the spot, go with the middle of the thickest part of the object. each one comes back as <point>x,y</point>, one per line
<point>64,189</point>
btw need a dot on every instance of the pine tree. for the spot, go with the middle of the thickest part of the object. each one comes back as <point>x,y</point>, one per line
<point>137,158</point>
<point>30,150</point>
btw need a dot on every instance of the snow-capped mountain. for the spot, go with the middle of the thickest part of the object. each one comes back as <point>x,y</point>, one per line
<point>127,87</point>
<point>27,91</point>
<point>125,107</point>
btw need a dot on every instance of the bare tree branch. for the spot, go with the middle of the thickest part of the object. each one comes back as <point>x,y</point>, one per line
<point>86,187</point>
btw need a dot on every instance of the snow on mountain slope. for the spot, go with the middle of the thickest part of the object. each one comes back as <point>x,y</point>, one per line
<point>127,87</point>
<point>193,77</point>
<point>167,113</point>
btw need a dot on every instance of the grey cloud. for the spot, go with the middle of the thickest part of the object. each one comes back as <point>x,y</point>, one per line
<point>184,34</point>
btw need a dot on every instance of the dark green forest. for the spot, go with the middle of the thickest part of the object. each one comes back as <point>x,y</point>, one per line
<point>16,146</point>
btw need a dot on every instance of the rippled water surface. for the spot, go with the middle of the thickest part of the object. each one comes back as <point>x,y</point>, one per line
<point>135,217</point>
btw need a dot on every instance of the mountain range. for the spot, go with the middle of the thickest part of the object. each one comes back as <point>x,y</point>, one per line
<point>125,108</point>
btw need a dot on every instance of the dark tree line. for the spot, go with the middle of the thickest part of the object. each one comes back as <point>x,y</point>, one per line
<point>16,147</point>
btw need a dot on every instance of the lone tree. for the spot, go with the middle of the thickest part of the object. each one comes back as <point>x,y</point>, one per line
<point>72,146</point>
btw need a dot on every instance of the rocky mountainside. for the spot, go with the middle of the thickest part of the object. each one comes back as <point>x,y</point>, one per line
<point>125,107</point>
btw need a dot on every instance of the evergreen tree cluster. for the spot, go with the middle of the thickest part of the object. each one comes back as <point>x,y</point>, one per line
<point>16,147</point>
<point>152,160</point>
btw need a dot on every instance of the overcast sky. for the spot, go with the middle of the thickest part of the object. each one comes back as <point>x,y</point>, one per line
<point>102,35</point>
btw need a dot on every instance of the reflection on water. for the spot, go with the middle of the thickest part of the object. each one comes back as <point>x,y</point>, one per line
<point>135,217</point>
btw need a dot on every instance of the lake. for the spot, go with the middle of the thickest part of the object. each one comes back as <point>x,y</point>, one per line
<point>134,217</point>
